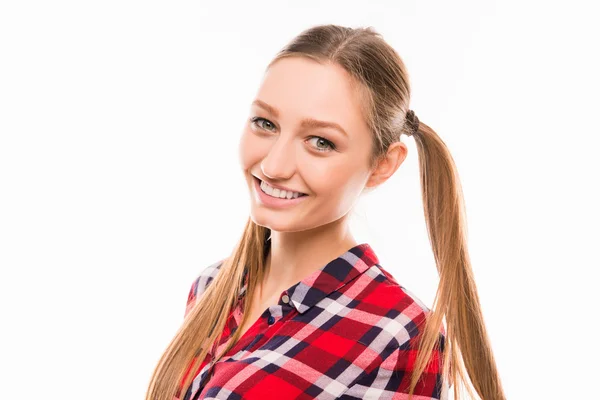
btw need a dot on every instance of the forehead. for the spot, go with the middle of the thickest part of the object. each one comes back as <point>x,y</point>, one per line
<point>300,87</point>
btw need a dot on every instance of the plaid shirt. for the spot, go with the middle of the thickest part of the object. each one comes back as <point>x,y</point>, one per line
<point>346,331</point>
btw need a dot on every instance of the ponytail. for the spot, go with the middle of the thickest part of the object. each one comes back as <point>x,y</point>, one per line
<point>456,298</point>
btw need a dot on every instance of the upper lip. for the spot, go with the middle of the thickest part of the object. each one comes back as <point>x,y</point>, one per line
<point>279,186</point>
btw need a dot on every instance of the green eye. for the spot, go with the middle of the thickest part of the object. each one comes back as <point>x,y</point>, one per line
<point>329,146</point>
<point>256,121</point>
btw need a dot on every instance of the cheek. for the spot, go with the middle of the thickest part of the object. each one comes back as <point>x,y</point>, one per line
<point>250,150</point>
<point>328,180</point>
<point>335,194</point>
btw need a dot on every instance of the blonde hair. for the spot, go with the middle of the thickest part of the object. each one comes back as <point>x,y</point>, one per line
<point>379,75</point>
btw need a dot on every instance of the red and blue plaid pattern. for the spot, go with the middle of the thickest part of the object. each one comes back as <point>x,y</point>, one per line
<point>347,331</point>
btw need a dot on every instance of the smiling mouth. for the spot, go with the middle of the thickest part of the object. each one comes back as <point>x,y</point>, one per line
<point>260,182</point>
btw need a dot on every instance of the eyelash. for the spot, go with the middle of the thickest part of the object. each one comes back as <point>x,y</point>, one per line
<point>332,146</point>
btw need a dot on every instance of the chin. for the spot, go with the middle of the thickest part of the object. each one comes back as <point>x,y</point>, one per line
<point>274,222</point>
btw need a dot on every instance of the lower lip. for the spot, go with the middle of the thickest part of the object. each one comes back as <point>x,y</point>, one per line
<point>274,201</point>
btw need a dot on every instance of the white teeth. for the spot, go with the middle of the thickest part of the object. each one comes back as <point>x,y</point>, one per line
<point>274,192</point>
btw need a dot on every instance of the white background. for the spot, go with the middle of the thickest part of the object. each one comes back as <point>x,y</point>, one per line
<point>119,176</point>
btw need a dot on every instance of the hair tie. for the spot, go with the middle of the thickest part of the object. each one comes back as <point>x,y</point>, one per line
<point>413,123</point>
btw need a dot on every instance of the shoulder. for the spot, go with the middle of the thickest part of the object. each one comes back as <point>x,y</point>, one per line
<point>390,320</point>
<point>201,282</point>
<point>400,312</point>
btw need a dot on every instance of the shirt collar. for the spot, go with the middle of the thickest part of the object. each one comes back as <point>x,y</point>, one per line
<point>330,278</point>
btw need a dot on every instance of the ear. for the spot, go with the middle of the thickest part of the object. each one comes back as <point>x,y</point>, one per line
<point>388,164</point>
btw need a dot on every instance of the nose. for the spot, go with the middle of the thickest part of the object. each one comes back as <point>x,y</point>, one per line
<point>280,161</point>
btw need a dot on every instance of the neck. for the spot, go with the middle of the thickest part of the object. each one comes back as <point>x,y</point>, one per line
<point>295,255</point>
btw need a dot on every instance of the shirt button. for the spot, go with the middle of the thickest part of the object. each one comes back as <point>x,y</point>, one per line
<point>271,320</point>
<point>285,298</point>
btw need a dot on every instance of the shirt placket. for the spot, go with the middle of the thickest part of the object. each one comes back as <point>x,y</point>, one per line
<point>274,314</point>
<point>277,312</point>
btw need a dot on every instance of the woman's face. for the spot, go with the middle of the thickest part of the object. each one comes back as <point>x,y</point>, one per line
<point>285,142</point>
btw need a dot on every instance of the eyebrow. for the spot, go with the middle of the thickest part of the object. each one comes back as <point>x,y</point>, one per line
<point>305,123</point>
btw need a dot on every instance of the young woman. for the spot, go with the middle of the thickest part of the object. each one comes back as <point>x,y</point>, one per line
<point>300,310</point>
